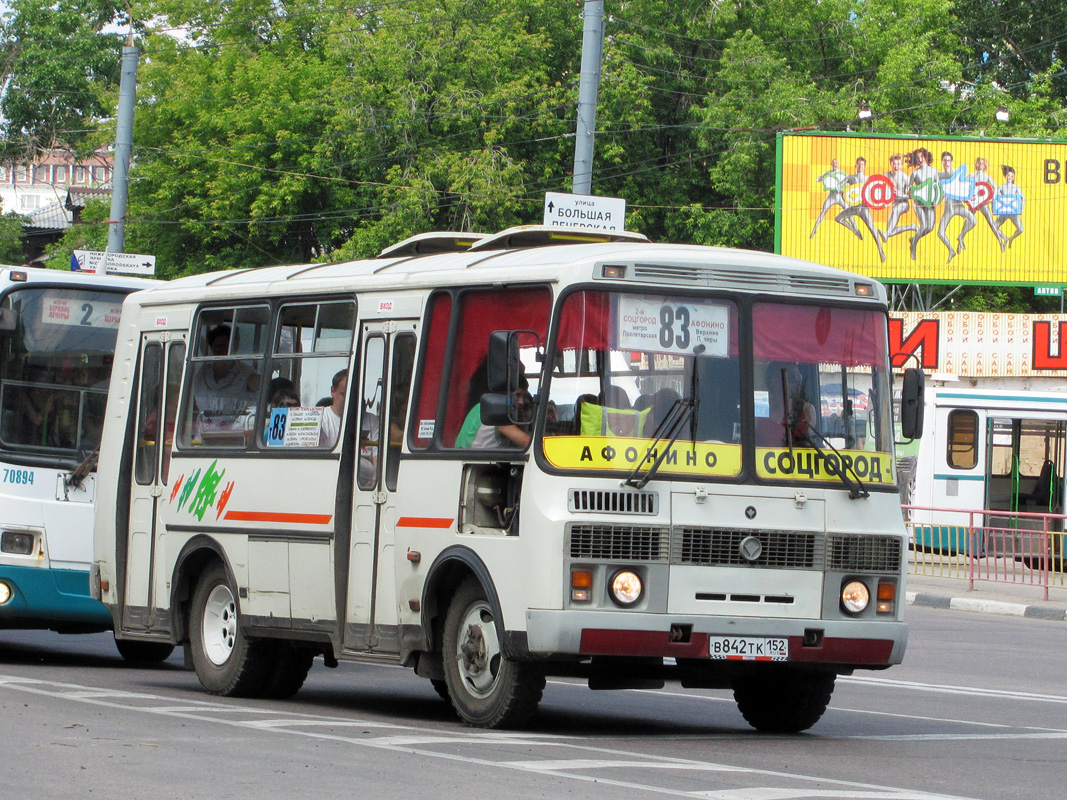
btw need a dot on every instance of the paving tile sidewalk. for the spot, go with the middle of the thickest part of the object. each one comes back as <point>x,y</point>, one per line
<point>987,597</point>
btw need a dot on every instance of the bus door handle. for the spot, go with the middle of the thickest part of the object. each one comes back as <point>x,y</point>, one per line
<point>379,498</point>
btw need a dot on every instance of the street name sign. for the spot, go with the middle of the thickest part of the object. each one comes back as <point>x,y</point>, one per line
<point>127,263</point>
<point>585,211</point>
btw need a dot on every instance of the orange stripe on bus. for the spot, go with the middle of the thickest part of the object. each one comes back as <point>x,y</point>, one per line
<point>271,516</point>
<point>423,522</point>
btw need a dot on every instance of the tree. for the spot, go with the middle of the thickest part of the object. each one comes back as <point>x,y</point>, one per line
<point>56,69</point>
<point>11,251</point>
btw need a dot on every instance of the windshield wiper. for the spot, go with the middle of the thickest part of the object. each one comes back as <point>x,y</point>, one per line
<point>856,489</point>
<point>671,426</point>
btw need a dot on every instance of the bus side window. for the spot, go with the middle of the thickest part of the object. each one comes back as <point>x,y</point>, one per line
<point>962,439</point>
<point>226,377</point>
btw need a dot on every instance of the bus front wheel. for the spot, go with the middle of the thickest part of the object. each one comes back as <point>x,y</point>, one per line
<point>487,689</point>
<point>783,700</point>
<point>144,652</point>
<point>226,662</point>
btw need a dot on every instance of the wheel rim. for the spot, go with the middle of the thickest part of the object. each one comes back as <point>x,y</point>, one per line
<point>478,650</point>
<point>219,626</point>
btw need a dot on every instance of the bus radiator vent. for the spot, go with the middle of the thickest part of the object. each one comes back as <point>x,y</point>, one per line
<point>619,542</point>
<point>721,547</point>
<point>611,502</point>
<point>857,553</point>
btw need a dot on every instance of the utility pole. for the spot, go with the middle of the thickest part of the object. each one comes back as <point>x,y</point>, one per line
<point>120,175</point>
<point>588,86</point>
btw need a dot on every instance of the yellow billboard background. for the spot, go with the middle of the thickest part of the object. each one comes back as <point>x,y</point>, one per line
<point>1034,254</point>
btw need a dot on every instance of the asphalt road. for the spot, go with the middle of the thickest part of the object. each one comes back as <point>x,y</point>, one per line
<point>976,711</point>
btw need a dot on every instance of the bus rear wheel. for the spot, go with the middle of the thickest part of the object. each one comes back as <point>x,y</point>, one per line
<point>144,652</point>
<point>226,662</point>
<point>288,671</point>
<point>783,700</point>
<point>487,689</point>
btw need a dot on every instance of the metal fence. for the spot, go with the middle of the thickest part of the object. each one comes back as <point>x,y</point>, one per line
<point>988,545</point>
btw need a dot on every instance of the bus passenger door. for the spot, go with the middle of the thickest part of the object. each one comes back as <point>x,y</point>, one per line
<point>388,355</point>
<point>155,402</point>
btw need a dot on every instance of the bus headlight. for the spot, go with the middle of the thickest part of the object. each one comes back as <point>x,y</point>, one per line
<point>855,596</point>
<point>626,588</point>
<point>5,593</point>
<point>17,543</point>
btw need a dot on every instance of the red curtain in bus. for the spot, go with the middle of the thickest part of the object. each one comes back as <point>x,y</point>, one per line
<point>819,334</point>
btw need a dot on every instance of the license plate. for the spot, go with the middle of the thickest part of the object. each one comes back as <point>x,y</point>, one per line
<point>748,648</point>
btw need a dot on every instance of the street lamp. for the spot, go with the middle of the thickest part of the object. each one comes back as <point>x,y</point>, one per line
<point>865,110</point>
<point>1002,114</point>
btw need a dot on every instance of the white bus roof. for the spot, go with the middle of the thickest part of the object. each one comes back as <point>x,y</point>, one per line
<point>11,275</point>
<point>665,265</point>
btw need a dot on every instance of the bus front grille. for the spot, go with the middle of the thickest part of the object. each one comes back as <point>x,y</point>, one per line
<point>722,547</point>
<point>619,542</point>
<point>855,553</point>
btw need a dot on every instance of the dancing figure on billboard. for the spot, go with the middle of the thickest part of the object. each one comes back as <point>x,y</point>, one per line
<point>1008,203</point>
<point>900,180</point>
<point>833,182</point>
<point>958,189</point>
<point>983,200</point>
<point>926,193</point>
<point>857,208</point>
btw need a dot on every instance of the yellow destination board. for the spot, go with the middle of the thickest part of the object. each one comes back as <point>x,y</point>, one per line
<point>622,453</point>
<point>925,210</point>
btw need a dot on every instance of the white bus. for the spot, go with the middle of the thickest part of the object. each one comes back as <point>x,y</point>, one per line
<point>593,459</point>
<point>989,475</point>
<point>57,343</point>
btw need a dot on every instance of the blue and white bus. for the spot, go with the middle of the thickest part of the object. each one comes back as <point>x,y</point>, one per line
<point>57,344</point>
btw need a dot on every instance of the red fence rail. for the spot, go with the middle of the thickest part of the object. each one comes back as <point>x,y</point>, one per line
<point>988,545</point>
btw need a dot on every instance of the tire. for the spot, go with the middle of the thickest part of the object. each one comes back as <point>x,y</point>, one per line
<point>441,687</point>
<point>487,689</point>
<point>288,671</point>
<point>144,652</point>
<point>783,701</point>
<point>226,662</point>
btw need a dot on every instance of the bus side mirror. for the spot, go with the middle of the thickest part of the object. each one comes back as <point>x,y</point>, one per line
<point>503,366</point>
<point>912,405</point>
<point>494,409</point>
<point>9,319</point>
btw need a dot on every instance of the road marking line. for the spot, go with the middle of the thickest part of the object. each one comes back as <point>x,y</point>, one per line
<point>639,760</point>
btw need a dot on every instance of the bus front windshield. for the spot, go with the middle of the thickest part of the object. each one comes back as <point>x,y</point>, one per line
<point>56,353</point>
<point>638,380</point>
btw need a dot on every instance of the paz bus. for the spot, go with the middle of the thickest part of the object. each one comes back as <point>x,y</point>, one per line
<point>57,342</point>
<point>494,459</point>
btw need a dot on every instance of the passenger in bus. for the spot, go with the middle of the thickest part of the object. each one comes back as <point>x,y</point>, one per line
<point>330,429</point>
<point>510,436</point>
<point>224,387</point>
<point>285,398</point>
<point>792,415</point>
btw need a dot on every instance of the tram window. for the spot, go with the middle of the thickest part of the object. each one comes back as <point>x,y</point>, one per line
<point>962,439</point>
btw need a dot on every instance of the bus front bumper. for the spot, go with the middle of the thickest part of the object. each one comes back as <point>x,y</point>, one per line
<point>842,643</point>
<point>49,598</point>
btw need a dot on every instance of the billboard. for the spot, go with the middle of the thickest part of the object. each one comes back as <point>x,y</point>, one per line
<point>972,344</point>
<point>925,210</point>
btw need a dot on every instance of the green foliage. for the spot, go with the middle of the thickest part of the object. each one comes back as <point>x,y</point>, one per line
<point>57,69</point>
<point>292,130</point>
<point>11,251</point>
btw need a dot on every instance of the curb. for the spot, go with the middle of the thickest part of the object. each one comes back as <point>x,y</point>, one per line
<point>986,606</point>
